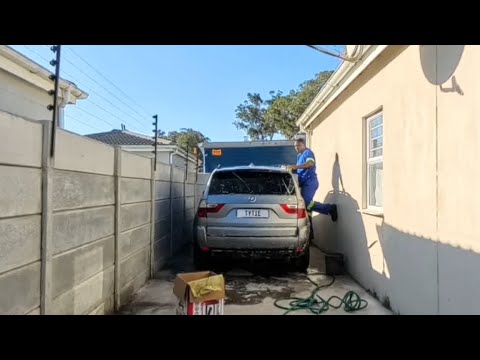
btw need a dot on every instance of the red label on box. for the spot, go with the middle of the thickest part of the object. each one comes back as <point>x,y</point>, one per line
<point>212,307</point>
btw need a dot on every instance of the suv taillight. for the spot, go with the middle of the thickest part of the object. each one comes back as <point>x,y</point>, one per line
<point>203,210</point>
<point>294,209</point>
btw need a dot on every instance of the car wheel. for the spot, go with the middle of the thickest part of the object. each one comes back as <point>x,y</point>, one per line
<point>303,261</point>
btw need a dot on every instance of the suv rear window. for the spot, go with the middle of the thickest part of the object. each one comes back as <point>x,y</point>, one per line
<point>251,182</point>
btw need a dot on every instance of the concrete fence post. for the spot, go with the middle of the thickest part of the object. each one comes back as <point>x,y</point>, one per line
<point>152,221</point>
<point>118,178</point>
<point>47,225</point>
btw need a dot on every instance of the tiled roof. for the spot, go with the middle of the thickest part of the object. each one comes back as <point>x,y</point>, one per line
<point>119,137</point>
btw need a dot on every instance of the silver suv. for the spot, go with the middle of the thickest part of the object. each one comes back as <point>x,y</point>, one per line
<point>252,212</point>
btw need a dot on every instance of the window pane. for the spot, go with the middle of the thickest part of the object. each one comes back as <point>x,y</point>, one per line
<point>376,137</point>
<point>376,121</point>
<point>376,143</point>
<point>375,184</point>
<point>254,182</point>
<point>376,152</point>
<point>376,132</point>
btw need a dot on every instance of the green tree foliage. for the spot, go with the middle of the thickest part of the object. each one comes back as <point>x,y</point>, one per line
<point>187,139</point>
<point>262,119</point>
<point>251,118</point>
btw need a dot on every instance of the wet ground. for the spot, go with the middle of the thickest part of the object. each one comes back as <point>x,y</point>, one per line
<point>253,289</point>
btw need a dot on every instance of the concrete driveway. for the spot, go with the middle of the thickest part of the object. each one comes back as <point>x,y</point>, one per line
<point>252,291</point>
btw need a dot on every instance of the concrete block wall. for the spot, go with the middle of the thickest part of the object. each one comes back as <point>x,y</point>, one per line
<point>134,223</point>
<point>162,247</point>
<point>178,208</point>
<point>83,226</point>
<point>20,214</point>
<point>81,232</point>
<point>200,186</point>
<point>190,206</point>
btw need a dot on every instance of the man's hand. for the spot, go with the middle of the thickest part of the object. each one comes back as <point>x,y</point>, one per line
<point>291,168</point>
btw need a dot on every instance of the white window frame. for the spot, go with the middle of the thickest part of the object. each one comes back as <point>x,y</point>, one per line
<point>372,160</point>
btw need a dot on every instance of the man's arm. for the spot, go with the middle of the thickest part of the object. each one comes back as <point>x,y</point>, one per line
<point>309,162</point>
<point>307,165</point>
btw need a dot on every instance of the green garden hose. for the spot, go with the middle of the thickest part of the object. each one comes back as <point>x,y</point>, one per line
<point>317,305</point>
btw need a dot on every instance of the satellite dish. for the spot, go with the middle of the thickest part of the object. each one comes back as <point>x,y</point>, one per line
<point>439,62</point>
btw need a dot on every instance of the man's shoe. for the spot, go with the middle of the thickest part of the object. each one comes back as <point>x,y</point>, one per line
<point>333,213</point>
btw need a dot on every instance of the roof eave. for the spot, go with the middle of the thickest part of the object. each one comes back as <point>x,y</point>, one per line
<point>346,73</point>
<point>33,70</point>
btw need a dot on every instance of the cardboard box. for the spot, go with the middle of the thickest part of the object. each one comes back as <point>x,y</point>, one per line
<point>200,293</point>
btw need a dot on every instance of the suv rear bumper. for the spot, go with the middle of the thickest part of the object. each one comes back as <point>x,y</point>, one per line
<point>252,243</point>
<point>283,243</point>
<point>256,254</point>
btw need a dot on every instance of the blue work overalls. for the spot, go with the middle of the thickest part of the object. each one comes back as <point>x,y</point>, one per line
<point>308,182</point>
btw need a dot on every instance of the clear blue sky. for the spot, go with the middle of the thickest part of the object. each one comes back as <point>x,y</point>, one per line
<point>195,87</point>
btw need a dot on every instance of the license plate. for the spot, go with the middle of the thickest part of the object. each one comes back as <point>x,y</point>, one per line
<point>252,213</point>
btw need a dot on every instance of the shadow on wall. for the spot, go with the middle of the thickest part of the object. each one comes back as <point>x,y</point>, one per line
<point>408,273</point>
<point>425,276</point>
<point>439,63</point>
<point>337,179</point>
<point>326,232</point>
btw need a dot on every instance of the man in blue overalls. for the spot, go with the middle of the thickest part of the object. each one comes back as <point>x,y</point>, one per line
<point>307,178</point>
